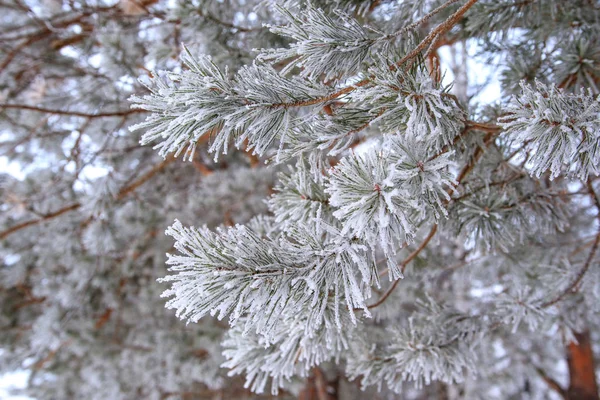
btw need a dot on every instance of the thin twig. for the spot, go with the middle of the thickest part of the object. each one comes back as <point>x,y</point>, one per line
<point>425,18</point>
<point>552,384</point>
<point>403,267</point>
<point>72,113</point>
<point>590,258</point>
<point>145,178</point>
<point>469,126</point>
<point>122,194</point>
<point>44,217</point>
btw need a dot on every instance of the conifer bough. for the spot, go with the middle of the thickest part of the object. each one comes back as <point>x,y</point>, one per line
<point>350,206</point>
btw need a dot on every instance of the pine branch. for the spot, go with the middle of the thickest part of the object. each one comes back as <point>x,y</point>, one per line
<point>424,19</point>
<point>145,178</point>
<point>439,30</point>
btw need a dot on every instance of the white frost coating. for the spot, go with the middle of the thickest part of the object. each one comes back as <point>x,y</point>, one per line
<point>413,104</point>
<point>320,226</point>
<point>368,204</point>
<point>436,344</point>
<point>205,101</point>
<point>426,176</point>
<point>283,280</point>
<point>379,194</point>
<point>234,272</point>
<point>300,198</point>
<point>560,130</point>
<point>291,353</point>
<point>332,45</point>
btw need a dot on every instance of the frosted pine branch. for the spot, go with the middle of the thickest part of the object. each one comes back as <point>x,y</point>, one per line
<point>560,130</point>
<point>253,106</point>
<point>236,273</point>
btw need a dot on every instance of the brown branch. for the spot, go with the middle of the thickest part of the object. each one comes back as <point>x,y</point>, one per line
<point>44,217</point>
<point>31,301</point>
<point>72,113</point>
<point>201,167</point>
<point>588,262</point>
<point>43,33</point>
<point>321,384</point>
<point>469,126</point>
<point>423,20</point>
<point>552,384</point>
<point>309,391</point>
<point>403,267</point>
<point>49,357</point>
<point>440,30</point>
<point>103,319</point>
<point>41,362</point>
<point>476,156</point>
<point>10,56</point>
<point>495,183</point>
<point>145,178</point>
<point>488,128</point>
<point>122,194</point>
<point>582,377</point>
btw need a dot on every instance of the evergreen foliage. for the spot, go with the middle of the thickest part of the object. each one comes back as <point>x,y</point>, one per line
<point>351,205</point>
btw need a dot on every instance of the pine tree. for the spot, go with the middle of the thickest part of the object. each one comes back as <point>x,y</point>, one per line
<point>345,206</point>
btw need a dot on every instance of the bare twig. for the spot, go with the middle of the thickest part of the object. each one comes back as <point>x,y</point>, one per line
<point>403,267</point>
<point>122,194</point>
<point>72,113</point>
<point>588,262</point>
<point>552,384</point>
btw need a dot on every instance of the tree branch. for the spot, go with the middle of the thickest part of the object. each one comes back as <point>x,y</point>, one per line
<point>72,113</point>
<point>440,30</point>
<point>122,194</point>
<point>552,384</point>
<point>4,234</point>
<point>586,265</point>
<point>403,267</point>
